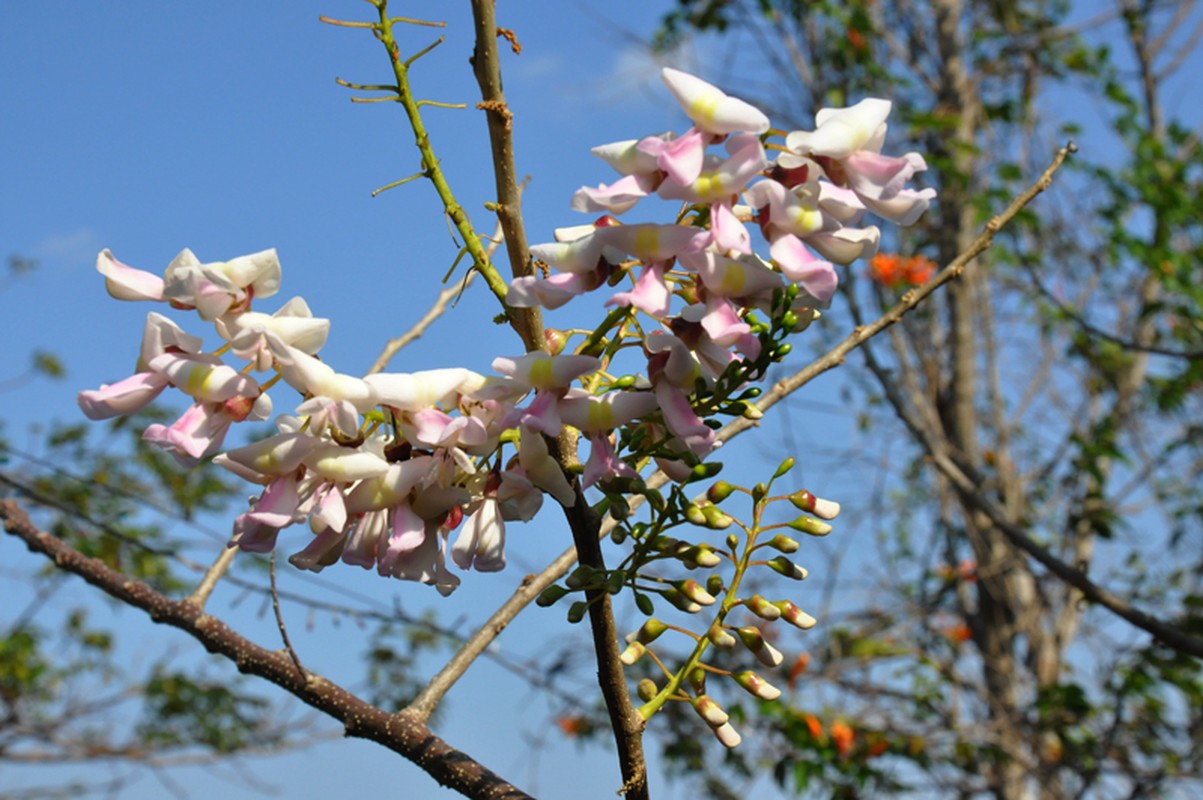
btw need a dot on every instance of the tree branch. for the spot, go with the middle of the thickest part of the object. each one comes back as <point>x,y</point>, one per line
<point>403,733</point>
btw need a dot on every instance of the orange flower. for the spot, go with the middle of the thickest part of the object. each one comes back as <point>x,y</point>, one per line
<point>895,271</point>
<point>877,748</point>
<point>813,725</point>
<point>574,725</point>
<point>798,668</point>
<point>841,737</point>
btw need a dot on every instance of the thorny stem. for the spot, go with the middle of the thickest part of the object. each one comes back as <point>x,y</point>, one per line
<point>430,162</point>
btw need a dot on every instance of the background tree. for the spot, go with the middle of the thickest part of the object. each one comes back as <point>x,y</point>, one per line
<point>1047,405</point>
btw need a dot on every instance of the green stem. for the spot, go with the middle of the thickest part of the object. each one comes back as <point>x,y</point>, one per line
<point>430,162</point>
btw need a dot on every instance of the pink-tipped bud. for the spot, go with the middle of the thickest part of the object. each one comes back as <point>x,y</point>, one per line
<point>633,653</point>
<point>716,518</point>
<point>805,501</point>
<point>650,631</point>
<point>694,591</point>
<point>719,637</point>
<point>810,525</point>
<point>702,556</point>
<point>710,711</point>
<point>757,685</point>
<point>727,735</point>
<point>762,608</point>
<point>556,341</point>
<point>795,616</point>
<point>682,602</point>
<point>783,543</point>
<point>764,652</point>
<point>789,569</point>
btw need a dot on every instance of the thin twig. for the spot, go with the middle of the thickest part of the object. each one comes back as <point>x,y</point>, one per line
<point>402,733</point>
<point>200,595</point>
<point>280,617</point>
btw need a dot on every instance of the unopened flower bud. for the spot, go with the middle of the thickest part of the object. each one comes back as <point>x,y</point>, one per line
<point>783,350</point>
<point>789,569</point>
<point>795,616</point>
<point>693,513</point>
<point>785,467</point>
<point>650,631</point>
<point>697,680</point>
<point>762,608</point>
<point>625,382</point>
<point>714,584</point>
<point>664,543</point>
<point>644,604</point>
<point>716,518</point>
<point>576,611</point>
<point>727,735</point>
<point>550,595</point>
<point>702,556</point>
<point>719,637</point>
<point>719,492</point>
<point>783,543</point>
<point>694,591</point>
<point>703,471</point>
<point>646,689</point>
<point>556,341</point>
<point>810,525</point>
<point>682,602</point>
<point>759,491</point>
<point>757,685</point>
<point>633,653</point>
<point>710,711</point>
<point>616,581</point>
<point>754,640</point>
<point>823,509</point>
<point>752,412</point>
<point>580,577</point>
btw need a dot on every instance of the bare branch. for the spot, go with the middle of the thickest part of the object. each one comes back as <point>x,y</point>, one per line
<point>403,733</point>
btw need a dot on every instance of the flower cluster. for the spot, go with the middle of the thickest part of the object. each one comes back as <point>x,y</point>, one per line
<point>384,468</point>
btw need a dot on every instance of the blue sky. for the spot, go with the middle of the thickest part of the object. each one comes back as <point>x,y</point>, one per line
<point>149,127</point>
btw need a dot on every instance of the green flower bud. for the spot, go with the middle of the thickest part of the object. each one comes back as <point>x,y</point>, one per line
<point>759,492</point>
<point>576,611</point>
<point>791,292</point>
<point>714,584</point>
<point>693,513</point>
<point>719,637</point>
<point>550,595</point>
<point>682,602</point>
<point>580,577</point>
<point>625,382</point>
<point>785,467</point>
<point>694,591</point>
<point>716,518</point>
<point>823,509</point>
<point>762,608</point>
<point>757,685</point>
<point>649,632</point>
<point>795,616</point>
<point>789,569</point>
<point>789,320</point>
<point>783,543</point>
<point>710,711</point>
<point>719,492</point>
<point>703,471</point>
<point>646,689</point>
<point>616,581</point>
<point>697,680</point>
<point>620,509</point>
<point>810,525</point>
<point>783,350</point>
<point>752,412</point>
<point>703,556</point>
<point>732,542</point>
<point>645,604</point>
<point>753,639</point>
<point>633,653</point>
